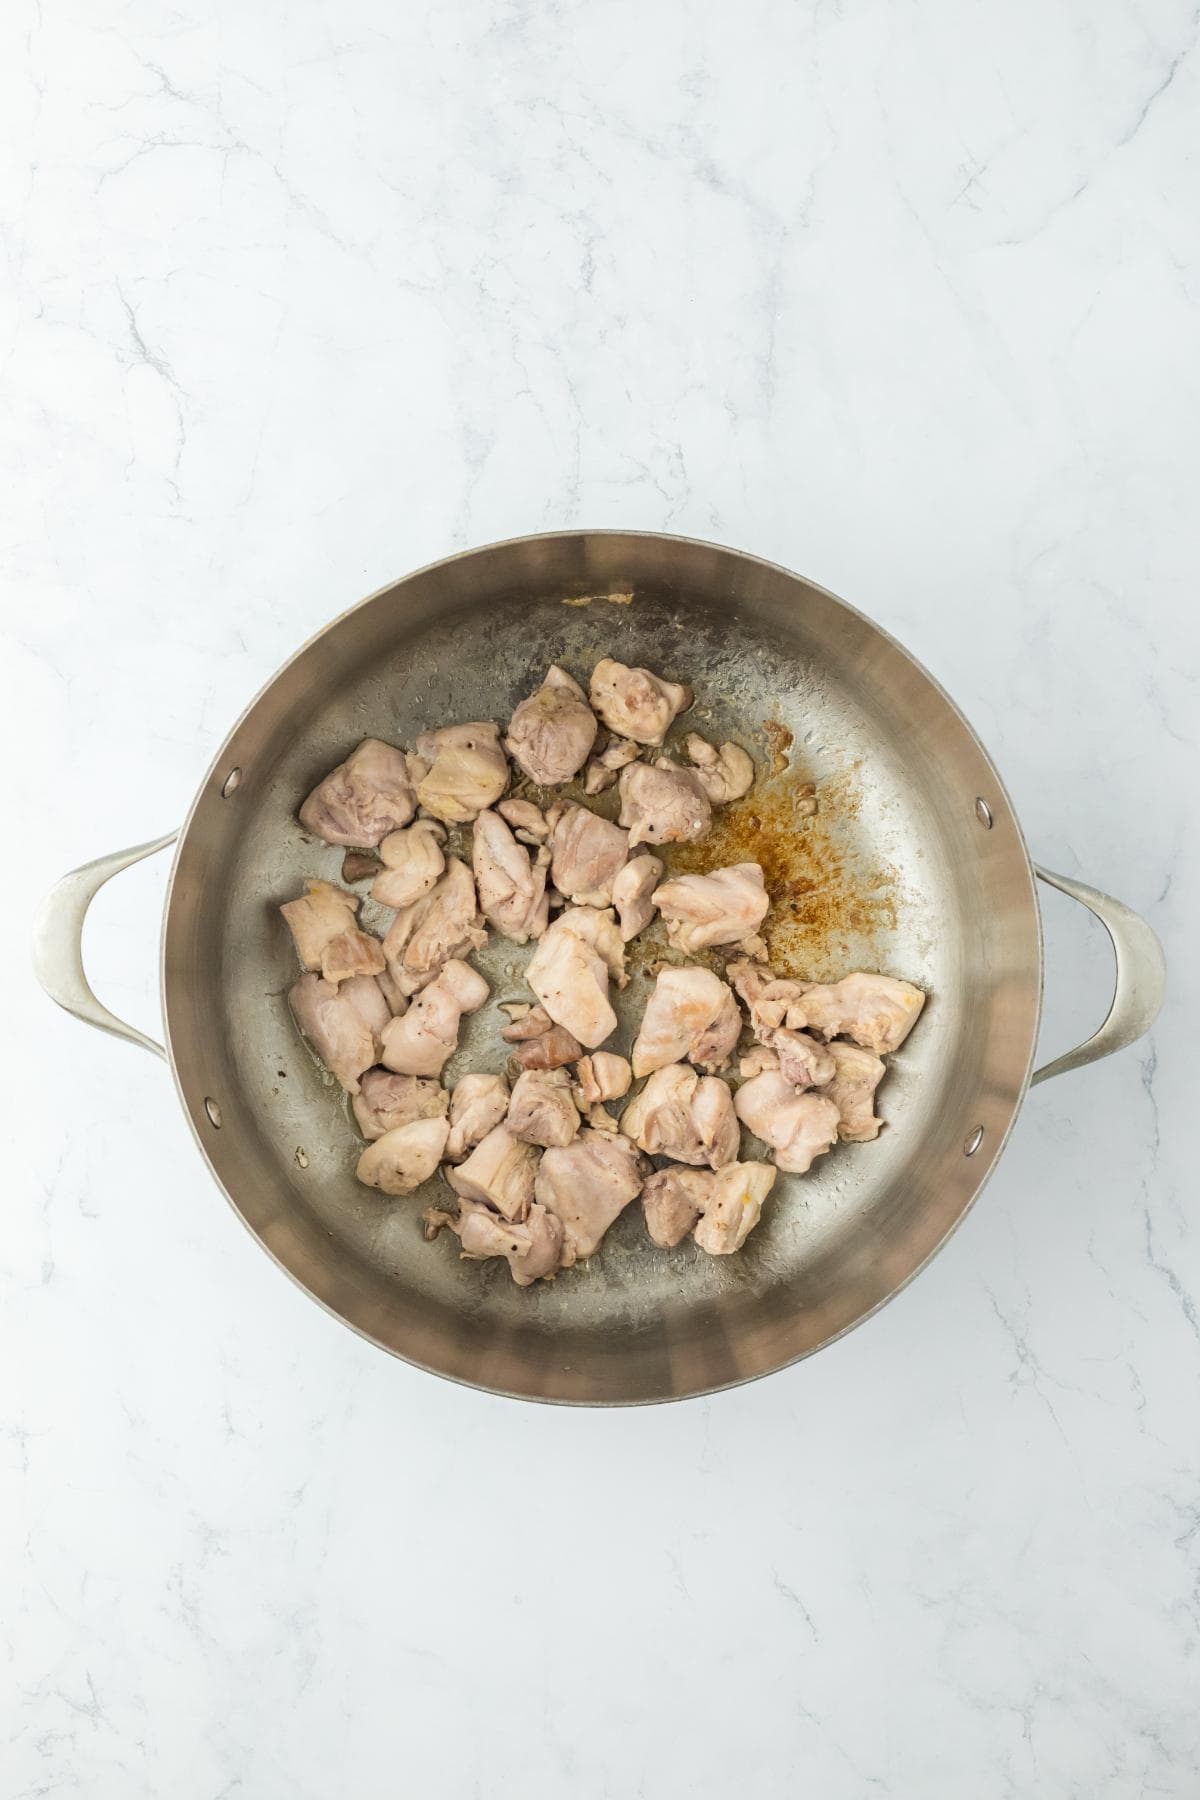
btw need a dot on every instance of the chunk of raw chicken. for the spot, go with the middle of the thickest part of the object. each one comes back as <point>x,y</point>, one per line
<point>323,912</point>
<point>552,732</point>
<point>477,1104</point>
<point>532,1248</point>
<point>672,1201</point>
<point>512,885</point>
<point>442,924</point>
<point>734,1206</point>
<point>459,770</point>
<point>402,1159</point>
<point>797,1127</point>
<point>527,820</point>
<point>426,1037</point>
<point>539,1042</point>
<point>603,1076</point>
<point>589,853</point>
<point>586,1185</point>
<point>635,704</point>
<point>386,1101</point>
<point>500,1170</point>
<point>601,773</point>
<point>413,860</point>
<point>685,1116</point>
<point>343,1024</point>
<point>722,907</point>
<point>542,1111</point>
<point>632,894</point>
<point>725,774</point>
<point>852,1090</point>
<point>662,803</point>
<point>569,972</point>
<point>363,799</point>
<point>691,1014</point>
<point>877,1011</point>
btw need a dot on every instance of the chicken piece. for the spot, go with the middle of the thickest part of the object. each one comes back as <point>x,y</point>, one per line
<point>803,1060</point>
<point>413,861</point>
<point>632,894</point>
<point>533,1247</point>
<point>725,774</point>
<point>540,1043</point>
<point>797,1127</point>
<point>691,1014</point>
<point>459,771</point>
<point>500,1170</point>
<point>768,996</point>
<point>323,912</point>
<point>402,1159</point>
<point>758,1061</point>
<point>600,1119</point>
<point>877,1011</point>
<point>478,1103</point>
<point>602,1076</point>
<point>343,1024</point>
<point>363,799</point>
<point>589,854</point>
<point>351,953</point>
<point>635,704</point>
<point>722,907</point>
<point>386,1101</point>
<point>852,1090</point>
<point>586,1185</point>
<point>426,1037</point>
<point>442,924</point>
<point>552,732</point>
<point>527,820</point>
<point>397,1002</point>
<point>685,1116</point>
<point>569,972</point>
<point>601,773</point>
<point>542,1111</point>
<point>672,1201</point>
<point>512,885</point>
<point>662,803</point>
<point>734,1206</point>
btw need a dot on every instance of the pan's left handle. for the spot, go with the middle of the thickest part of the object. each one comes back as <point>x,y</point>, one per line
<point>58,941</point>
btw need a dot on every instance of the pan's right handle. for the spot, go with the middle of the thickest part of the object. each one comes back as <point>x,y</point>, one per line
<point>58,941</point>
<point>1141,982</point>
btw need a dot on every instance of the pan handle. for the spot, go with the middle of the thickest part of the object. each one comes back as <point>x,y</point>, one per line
<point>1141,977</point>
<point>58,941</point>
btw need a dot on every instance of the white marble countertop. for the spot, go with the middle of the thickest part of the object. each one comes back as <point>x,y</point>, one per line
<point>907,298</point>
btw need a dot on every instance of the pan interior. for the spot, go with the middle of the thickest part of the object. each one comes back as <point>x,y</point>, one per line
<point>897,872</point>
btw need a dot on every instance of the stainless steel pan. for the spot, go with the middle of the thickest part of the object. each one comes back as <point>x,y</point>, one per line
<point>915,865</point>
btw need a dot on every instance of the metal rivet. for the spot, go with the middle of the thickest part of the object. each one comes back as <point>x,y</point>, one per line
<point>983,813</point>
<point>213,1111</point>
<point>230,782</point>
<point>301,1157</point>
<point>973,1142</point>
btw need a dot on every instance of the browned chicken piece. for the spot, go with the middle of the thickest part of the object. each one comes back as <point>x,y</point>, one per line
<point>635,704</point>
<point>322,913</point>
<point>351,953</point>
<point>553,731</point>
<point>343,1024</point>
<point>426,1037</point>
<point>601,773</point>
<point>725,774</point>
<point>673,1200</point>
<point>386,1101</point>
<point>512,885</point>
<point>413,860</point>
<point>691,1014</point>
<point>589,853</point>
<point>758,1061</point>
<point>586,1185</point>
<point>356,866</point>
<point>797,1127</point>
<point>477,1104</point>
<point>539,1042</point>
<point>852,1090</point>
<point>500,1171</point>
<point>402,1159</point>
<point>527,820</point>
<point>768,996</point>
<point>603,1076</point>
<point>442,924</point>
<point>532,1248</point>
<point>734,1206</point>
<point>363,799</point>
<point>542,1111</point>
<point>685,1116</point>
<point>877,1011</point>
<point>662,803</point>
<point>722,907</point>
<point>569,972</point>
<point>459,771</point>
<point>632,894</point>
